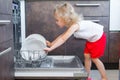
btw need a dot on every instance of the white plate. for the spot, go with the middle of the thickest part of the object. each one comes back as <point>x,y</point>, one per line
<point>37,37</point>
<point>33,48</point>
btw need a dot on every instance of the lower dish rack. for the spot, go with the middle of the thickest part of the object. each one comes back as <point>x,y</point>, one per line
<point>20,62</point>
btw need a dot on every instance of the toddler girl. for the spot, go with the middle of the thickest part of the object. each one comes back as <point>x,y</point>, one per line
<point>66,16</point>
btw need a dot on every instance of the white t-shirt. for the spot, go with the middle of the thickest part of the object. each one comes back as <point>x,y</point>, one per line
<point>89,30</point>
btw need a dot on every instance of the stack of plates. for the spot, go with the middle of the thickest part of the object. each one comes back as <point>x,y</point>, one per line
<point>33,47</point>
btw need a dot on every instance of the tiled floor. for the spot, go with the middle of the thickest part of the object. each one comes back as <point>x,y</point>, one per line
<point>111,74</point>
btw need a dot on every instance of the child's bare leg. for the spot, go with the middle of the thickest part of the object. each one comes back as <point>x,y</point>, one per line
<point>100,67</point>
<point>87,63</point>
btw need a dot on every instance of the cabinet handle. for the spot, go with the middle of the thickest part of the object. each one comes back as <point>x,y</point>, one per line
<point>97,21</point>
<point>4,22</point>
<point>5,51</point>
<point>87,5</point>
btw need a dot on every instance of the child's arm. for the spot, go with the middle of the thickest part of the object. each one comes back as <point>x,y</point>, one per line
<point>48,43</point>
<point>62,38</point>
<point>52,43</point>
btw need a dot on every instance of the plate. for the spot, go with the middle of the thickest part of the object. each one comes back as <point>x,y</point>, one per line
<point>37,37</point>
<point>33,48</point>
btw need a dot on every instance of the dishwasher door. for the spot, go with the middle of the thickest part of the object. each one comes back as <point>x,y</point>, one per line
<point>51,68</point>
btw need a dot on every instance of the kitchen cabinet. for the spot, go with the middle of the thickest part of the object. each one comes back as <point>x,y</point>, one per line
<point>114,44</point>
<point>119,68</point>
<point>114,47</point>
<point>6,57</point>
<point>6,61</point>
<point>6,41</point>
<point>114,15</point>
<point>5,7</point>
<point>40,19</point>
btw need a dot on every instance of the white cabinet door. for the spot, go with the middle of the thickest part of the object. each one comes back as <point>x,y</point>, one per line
<point>114,15</point>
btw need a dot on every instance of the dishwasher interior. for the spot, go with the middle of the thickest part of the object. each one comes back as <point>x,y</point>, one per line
<point>50,61</point>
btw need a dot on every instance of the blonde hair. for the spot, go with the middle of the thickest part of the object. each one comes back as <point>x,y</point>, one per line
<point>67,13</point>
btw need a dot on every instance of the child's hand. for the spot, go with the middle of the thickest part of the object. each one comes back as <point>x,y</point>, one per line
<point>48,43</point>
<point>47,50</point>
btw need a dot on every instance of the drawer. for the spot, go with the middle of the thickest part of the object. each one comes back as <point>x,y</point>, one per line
<point>92,8</point>
<point>100,20</point>
<point>6,28</point>
<point>2,34</point>
<point>5,17</point>
<point>6,33</point>
<point>5,20</point>
<point>87,8</point>
<point>6,45</point>
<point>114,47</point>
<point>44,11</point>
<point>99,12</point>
<point>5,6</point>
<point>9,32</point>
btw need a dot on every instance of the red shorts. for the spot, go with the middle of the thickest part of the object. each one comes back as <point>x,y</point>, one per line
<point>96,49</point>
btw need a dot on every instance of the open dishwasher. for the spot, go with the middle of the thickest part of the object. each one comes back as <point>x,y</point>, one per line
<point>32,62</point>
<point>51,67</point>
